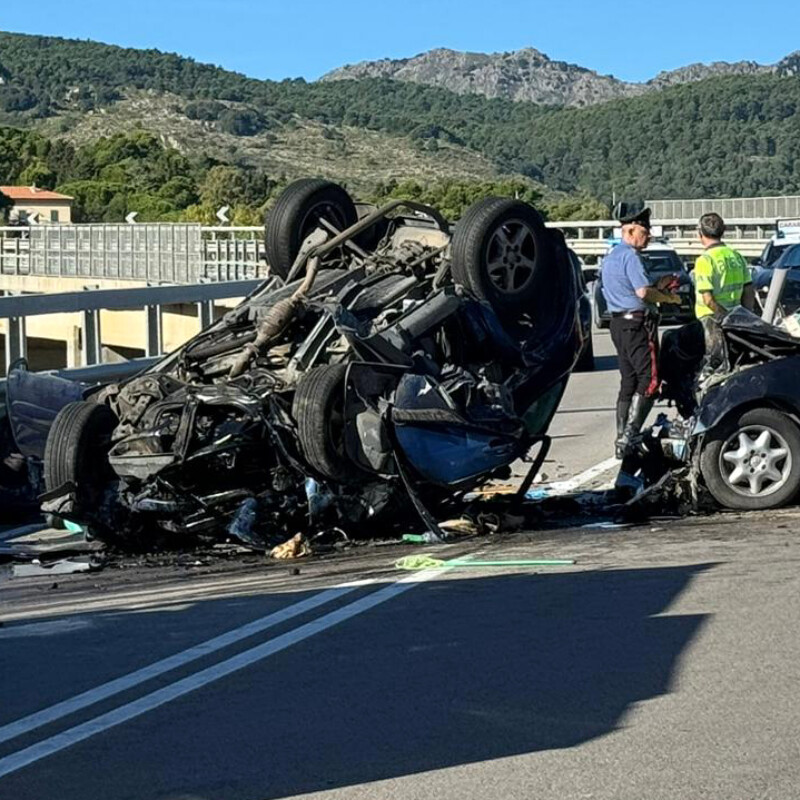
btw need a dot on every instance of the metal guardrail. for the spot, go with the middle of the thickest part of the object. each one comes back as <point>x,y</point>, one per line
<point>190,253</point>
<point>16,309</point>
<point>729,207</point>
<point>588,238</point>
<point>150,253</point>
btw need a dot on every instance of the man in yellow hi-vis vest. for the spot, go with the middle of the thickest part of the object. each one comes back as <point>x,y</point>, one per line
<point>721,278</point>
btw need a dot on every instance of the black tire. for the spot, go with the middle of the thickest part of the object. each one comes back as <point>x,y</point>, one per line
<point>318,412</point>
<point>296,213</point>
<point>711,460</point>
<point>77,450</point>
<point>586,360</point>
<point>481,261</point>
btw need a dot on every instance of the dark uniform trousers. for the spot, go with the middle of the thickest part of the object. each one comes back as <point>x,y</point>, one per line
<point>635,336</point>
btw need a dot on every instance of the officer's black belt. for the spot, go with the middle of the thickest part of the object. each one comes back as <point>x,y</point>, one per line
<point>628,314</point>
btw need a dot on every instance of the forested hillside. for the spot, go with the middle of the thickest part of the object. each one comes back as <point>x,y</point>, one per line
<point>723,136</point>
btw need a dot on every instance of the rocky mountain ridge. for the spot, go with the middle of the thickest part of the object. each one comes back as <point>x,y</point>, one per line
<point>529,75</point>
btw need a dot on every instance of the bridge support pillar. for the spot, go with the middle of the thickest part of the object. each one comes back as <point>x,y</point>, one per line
<point>90,337</point>
<point>16,342</point>
<point>155,332</point>
<point>205,311</point>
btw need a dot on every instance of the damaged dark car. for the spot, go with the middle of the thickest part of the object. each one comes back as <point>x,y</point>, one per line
<point>737,393</point>
<point>390,355</point>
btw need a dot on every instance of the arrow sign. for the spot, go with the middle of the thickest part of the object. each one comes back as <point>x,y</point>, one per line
<point>222,214</point>
<point>131,218</point>
<point>33,217</point>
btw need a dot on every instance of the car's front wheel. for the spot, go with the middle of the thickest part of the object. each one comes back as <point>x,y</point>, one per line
<point>77,451</point>
<point>298,210</point>
<point>500,250</point>
<point>752,461</point>
<point>318,410</point>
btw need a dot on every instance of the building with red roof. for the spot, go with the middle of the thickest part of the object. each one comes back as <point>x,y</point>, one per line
<point>39,205</point>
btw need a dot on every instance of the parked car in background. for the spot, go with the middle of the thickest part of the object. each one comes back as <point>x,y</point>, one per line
<point>789,260</point>
<point>787,234</point>
<point>586,358</point>
<point>659,260</point>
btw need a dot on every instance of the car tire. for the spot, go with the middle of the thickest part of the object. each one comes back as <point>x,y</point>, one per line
<point>586,361</point>
<point>319,414</point>
<point>296,213</point>
<point>719,472</point>
<point>500,247</point>
<point>77,448</point>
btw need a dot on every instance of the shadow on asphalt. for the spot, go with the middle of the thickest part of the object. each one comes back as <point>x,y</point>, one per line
<point>605,363</point>
<point>453,672</point>
<point>466,671</point>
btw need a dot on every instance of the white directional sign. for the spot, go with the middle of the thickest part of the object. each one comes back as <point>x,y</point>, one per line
<point>33,218</point>
<point>222,214</point>
<point>131,218</point>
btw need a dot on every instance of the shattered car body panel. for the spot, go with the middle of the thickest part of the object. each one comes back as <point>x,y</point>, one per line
<point>737,391</point>
<point>371,371</point>
<point>31,403</point>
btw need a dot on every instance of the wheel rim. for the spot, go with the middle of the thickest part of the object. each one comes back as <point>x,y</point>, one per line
<point>511,256</point>
<point>323,210</point>
<point>756,461</point>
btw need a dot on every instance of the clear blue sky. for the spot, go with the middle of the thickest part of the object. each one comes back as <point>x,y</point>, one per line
<point>292,38</point>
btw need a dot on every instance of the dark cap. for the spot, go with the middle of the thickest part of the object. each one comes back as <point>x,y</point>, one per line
<point>632,213</point>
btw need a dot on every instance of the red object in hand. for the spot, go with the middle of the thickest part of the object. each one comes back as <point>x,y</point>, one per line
<point>674,284</point>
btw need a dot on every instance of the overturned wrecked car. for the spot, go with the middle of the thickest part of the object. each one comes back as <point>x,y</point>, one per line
<point>737,393</point>
<point>390,355</point>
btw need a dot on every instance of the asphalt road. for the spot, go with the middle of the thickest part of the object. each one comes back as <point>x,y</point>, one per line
<point>663,664</point>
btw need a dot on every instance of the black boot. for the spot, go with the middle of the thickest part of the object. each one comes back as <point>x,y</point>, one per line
<point>623,409</point>
<point>640,408</point>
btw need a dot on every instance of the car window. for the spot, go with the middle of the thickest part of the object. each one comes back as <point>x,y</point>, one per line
<point>772,252</point>
<point>662,262</point>
<point>789,257</point>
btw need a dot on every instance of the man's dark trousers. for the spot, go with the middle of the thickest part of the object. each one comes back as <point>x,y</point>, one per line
<point>635,336</point>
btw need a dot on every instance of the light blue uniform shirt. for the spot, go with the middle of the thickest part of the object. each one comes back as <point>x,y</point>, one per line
<point>622,274</point>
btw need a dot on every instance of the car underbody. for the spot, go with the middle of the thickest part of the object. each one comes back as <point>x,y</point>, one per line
<point>389,357</point>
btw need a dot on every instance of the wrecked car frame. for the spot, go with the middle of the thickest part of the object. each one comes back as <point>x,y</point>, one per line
<point>397,356</point>
<point>737,392</point>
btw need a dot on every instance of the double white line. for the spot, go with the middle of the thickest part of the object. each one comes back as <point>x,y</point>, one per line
<point>173,691</point>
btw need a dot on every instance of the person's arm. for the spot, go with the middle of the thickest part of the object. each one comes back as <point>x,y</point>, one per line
<point>641,284</point>
<point>704,285</point>
<point>651,295</point>
<point>749,297</point>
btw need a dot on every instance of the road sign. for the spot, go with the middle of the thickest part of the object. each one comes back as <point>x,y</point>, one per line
<point>222,215</point>
<point>131,218</point>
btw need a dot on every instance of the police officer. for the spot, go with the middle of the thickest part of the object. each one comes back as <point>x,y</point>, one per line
<point>632,302</point>
<point>721,278</point>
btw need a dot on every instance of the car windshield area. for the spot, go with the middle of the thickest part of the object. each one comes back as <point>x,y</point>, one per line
<point>789,257</point>
<point>789,300</point>
<point>661,263</point>
<point>772,252</point>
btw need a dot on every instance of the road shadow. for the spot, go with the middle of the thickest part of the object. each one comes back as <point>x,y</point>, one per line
<point>452,672</point>
<point>605,363</point>
<point>474,670</point>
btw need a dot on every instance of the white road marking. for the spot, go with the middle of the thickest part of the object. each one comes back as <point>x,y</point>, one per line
<point>61,741</point>
<point>113,687</point>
